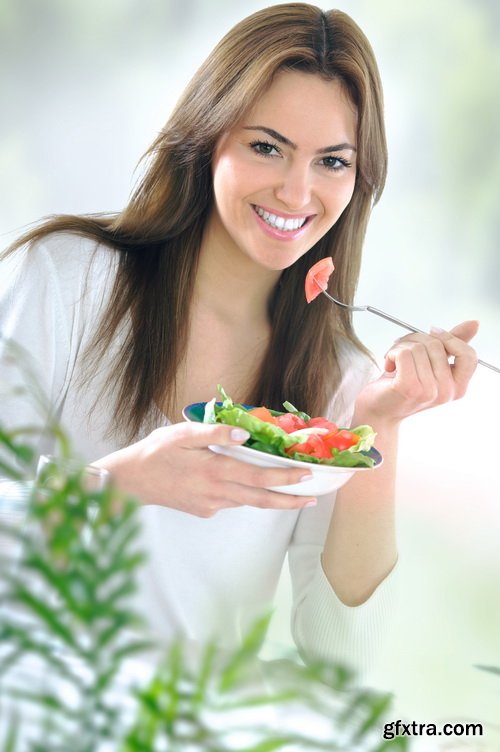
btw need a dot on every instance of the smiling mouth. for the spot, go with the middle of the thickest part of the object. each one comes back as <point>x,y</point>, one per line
<point>280,223</point>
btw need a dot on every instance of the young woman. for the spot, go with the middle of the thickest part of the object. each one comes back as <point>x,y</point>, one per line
<point>272,160</point>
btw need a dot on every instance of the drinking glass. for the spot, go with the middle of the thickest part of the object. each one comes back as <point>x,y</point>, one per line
<point>14,497</point>
<point>52,473</point>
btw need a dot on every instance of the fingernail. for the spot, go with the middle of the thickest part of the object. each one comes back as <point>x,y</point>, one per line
<point>437,330</point>
<point>303,478</point>
<point>239,434</point>
<point>311,503</point>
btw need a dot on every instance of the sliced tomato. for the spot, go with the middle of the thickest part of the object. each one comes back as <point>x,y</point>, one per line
<point>341,440</point>
<point>290,422</point>
<point>322,423</point>
<point>317,278</point>
<point>263,413</point>
<point>314,446</point>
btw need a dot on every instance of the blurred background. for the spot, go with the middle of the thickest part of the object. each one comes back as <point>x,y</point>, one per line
<point>84,88</point>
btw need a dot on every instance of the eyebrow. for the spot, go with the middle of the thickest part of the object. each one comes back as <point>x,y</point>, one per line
<point>284,140</point>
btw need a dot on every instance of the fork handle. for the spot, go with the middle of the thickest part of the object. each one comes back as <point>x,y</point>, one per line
<point>394,320</point>
<point>412,328</point>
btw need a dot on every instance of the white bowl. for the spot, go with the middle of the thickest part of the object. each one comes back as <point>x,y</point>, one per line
<point>325,478</point>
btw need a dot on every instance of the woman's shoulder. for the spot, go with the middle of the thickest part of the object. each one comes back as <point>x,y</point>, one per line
<point>68,253</point>
<point>67,272</point>
<point>65,261</point>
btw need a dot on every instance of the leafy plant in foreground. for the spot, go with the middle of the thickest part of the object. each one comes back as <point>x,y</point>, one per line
<point>68,634</point>
<point>229,703</point>
<point>65,609</point>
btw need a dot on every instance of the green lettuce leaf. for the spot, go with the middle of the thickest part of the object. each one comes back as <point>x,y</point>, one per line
<point>266,437</point>
<point>257,428</point>
<point>367,438</point>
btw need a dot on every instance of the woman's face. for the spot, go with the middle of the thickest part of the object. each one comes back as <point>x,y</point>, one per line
<point>284,175</point>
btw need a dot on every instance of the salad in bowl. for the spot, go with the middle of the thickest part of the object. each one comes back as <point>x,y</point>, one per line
<point>292,438</point>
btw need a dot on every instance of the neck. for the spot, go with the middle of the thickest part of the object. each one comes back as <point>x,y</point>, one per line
<point>230,284</point>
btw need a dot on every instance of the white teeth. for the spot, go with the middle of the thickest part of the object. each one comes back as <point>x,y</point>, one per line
<point>280,223</point>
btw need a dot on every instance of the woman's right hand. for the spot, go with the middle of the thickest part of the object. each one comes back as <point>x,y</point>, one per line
<point>173,467</point>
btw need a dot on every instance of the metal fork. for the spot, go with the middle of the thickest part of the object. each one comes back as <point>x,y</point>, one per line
<point>394,320</point>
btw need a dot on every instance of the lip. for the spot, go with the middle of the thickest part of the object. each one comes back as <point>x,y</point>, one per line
<point>274,232</point>
<point>285,215</point>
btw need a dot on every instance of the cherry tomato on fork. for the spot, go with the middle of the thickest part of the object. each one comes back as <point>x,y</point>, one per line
<point>317,278</point>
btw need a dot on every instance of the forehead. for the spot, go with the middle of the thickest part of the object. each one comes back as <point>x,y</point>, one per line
<point>306,107</point>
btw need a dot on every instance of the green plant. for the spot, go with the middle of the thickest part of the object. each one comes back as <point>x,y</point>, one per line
<point>66,618</point>
<point>236,702</point>
<point>65,608</point>
<point>490,669</point>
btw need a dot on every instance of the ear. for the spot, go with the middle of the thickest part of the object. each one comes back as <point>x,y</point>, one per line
<point>466,330</point>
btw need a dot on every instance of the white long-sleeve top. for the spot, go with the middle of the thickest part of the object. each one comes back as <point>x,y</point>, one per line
<point>204,578</point>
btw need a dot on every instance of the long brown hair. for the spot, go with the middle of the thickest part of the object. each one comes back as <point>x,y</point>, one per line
<point>159,232</point>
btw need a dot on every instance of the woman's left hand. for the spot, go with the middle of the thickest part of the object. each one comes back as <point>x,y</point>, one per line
<point>421,371</point>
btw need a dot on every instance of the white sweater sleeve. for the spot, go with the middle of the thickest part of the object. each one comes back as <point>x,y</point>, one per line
<point>42,332</point>
<point>34,342</point>
<point>322,626</point>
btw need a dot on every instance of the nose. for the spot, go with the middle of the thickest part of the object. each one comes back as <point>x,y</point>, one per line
<point>293,187</point>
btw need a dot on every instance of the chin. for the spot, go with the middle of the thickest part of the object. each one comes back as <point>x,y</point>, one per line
<point>275,265</point>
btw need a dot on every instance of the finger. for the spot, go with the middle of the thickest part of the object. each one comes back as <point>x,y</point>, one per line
<point>267,499</point>
<point>451,379</point>
<point>223,469</point>
<point>201,435</point>
<point>412,372</point>
<point>437,356</point>
<point>210,507</point>
<point>225,495</point>
<point>466,331</point>
<point>432,368</point>
<point>464,356</point>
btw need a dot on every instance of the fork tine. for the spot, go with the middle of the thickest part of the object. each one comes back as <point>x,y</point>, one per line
<point>344,305</point>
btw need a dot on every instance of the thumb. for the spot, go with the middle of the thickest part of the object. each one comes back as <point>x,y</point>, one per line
<point>224,434</point>
<point>466,330</point>
<point>193,435</point>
